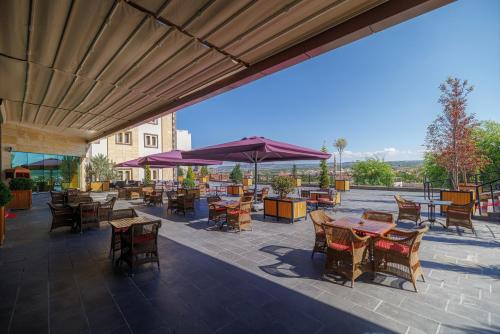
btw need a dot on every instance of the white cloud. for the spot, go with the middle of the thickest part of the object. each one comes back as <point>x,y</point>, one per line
<point>388,154</point>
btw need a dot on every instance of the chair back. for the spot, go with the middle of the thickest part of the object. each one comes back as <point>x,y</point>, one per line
<point>84,199</point>
<point>57,197</point>
<point>187,201</point>
<point>417,239</point>
<point>89,213</point>
<point>144,234</point>
<point>72,195</point>
<point>106,208</point>
<point>379,216</point>
<point>171,194</point>
<point>319,217</point>
<point>123,213</point>
<point>305,193</point>
<point>246,198</point>
<point>246,206</point>
<point>340,235</point>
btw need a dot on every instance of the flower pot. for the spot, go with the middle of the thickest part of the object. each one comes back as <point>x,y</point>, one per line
<point>21,199</point>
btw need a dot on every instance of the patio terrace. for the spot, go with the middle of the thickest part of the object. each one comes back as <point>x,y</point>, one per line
<point>260,281</point>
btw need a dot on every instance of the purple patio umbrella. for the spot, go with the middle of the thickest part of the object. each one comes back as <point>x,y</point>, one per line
<point>255,150</point>
<point>130,163</point>
<point>173,159</point>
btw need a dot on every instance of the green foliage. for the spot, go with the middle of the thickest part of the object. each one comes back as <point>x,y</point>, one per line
<point>283,185</point>
<point>5,194</point>
<point>69,168</point>
<point>434,173</point>
<point>21,183</point>
<point>102,168</point>
<point>373,172</point>
<point>487,138</point>
<point>324,179</point>
<point>413,176</point>
<point>204,171</point>
<point>180,171</point>
<point>147,175</point>
<point>236,175</point>
<point>188,182</point>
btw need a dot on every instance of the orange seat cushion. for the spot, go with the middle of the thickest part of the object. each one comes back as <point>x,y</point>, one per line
<point>339,247</point>
<point>392,246</point>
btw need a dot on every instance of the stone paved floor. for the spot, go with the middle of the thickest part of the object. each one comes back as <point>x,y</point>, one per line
<point>260,281</point>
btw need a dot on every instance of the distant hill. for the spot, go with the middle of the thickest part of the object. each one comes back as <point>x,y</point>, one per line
<point>314,165</point>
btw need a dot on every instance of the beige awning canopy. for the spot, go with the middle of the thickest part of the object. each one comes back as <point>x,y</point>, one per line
<point>92,67</point>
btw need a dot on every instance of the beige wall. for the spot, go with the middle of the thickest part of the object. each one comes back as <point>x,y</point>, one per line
<point>168,141</point>
<point>33,140</point>
<point>120,153</point>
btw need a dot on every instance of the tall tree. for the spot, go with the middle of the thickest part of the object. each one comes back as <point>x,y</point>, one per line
<point>449,137</point>
<point>324,179</point>
<point>102,168</point>
<point>147,175</point>
<point>340,144</point>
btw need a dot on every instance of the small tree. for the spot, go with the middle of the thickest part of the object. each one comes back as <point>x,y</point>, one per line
<point>147,175</point>
<point>236,175</point>
<point>204,171</point>
<point>324,179</point>
<point>102,168</point>
<point>188,182</point>
<point>180,171</point>
<point>449,137</point>
<point>340,144</point>
<point>283,185</point>
<point>373,172</point>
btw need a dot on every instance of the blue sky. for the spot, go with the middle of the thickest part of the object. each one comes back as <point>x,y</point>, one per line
<point>380,92</point>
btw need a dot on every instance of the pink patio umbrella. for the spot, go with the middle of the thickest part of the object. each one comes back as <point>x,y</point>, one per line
<point>172,159</point>
<point>255,150</point>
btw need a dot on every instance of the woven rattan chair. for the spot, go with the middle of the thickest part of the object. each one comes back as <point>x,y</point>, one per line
<point>156,197</point>
<point>460,216</point>
<point>216,213</point>
<point>408,210</point>
<point>396,253</point>
<point>319,217</point>
<point>89,215</point>
<point>239,218</point>
<point>185,203</point>
<point>329,201</point>
<point>57,197</point>
<point>347,253</point>
<point>139,244</point>
<point>105,209</point>
<point>72,195</point>
<point>246,198</point>
<point>61,216</point>
<point>263,193</point>
<point>83,199</point>
<point>172,204</point>
<point>379,216</point>
<point>116,232</point>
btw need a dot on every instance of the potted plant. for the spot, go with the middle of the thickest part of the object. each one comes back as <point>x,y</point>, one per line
<point>21,189</point>
<point>180,175</point>
<point>204,174</point>
<point>283,185</point>
<point>5,197</point>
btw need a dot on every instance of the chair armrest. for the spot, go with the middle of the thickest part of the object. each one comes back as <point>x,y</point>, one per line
<point>396,235</point>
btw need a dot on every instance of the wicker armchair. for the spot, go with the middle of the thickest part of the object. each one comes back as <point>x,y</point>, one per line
<point>246,198</point>
<point>105,209</point>
<point>115,232</point>
<point>460,216</point>
<point>185,203</point>
<point>408,210</point>
<point>139,244</point>
<point>216,213</point>
<point>262,194</point>
<point>72,195</point>
<point>61,216</point>
<point>347,253</point>
<point>172,204</point>
<point>156,197</point>
<point>89,215</point>
<point>319,217</point>
<point>239,217</point>
<point>57,197</point>
<point>329,201</point>
<point>379,216</point>
<point>396,253</point>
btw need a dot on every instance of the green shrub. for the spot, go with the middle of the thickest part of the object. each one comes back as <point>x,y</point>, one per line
<point>283,185</point>
<point>5,194</point>
<point>204,171</point>
<point>324,179</point>
<point>373,172</point>
<point>21,183</point>
<point>147,175</point>
<point>236,175</point>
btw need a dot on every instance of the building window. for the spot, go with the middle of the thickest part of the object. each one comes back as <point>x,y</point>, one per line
<point>150,140</point>
<point>155,121</point>
<point>154,174</point>
<point>124,138</point>
<point>125,175</point>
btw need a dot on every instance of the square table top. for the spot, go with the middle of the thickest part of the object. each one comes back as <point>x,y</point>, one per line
<point>319,192</point>
<point>226,204</point>
<point>127,222</point>
<point>429,202</point>
<point>368,226</point>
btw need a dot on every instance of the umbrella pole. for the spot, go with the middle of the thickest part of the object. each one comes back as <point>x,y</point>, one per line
<point>255,185</point>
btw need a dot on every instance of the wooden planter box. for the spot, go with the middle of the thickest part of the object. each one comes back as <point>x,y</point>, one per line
<point>235,190</point>
<point>291,209</point>
<point>21,199</point>
<point>342,185</point>
<point>247,182</point>
<point>195,192</point>
<point>99,186</point>
<point>180,179</point>
<point>455,196</point>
